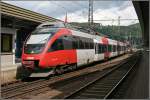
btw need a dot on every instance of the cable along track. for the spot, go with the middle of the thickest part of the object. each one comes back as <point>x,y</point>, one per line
<point>103,86</point>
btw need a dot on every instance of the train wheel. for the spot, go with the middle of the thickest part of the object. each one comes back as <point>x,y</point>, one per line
<point>59,70</point>
<point>74,66</point>
<point>23,73</point>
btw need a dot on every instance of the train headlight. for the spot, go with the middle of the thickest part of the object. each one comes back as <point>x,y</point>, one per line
<point>30,58</point>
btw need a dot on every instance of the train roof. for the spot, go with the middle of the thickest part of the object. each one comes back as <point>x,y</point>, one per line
<point>56,24</point>
<point>82,31</point>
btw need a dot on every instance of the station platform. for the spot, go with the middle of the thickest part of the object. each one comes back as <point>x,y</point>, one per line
<point>137,85</point>
<point>8,73</point>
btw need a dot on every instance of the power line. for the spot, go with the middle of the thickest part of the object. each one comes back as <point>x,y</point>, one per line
<point>88,8</point>
<point>114,19</point>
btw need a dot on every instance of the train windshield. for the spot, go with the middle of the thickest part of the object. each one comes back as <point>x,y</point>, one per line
<point>38,39</point>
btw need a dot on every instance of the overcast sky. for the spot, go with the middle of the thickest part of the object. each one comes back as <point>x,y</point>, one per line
<point>77,11</point>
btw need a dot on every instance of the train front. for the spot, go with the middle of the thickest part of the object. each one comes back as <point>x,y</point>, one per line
<point>34,48</point>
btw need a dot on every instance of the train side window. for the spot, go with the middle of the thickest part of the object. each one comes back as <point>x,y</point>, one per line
<point>113,48</point>
<point>81,45</point>
<point>119,48</point>
<point>84,42</point>
<point>74,43</point>
<point>78,40</point>
<point>105,48</point>
<point>87,45</point>
<point>109,48</point>
<point>91,45</point>
<point>100,48</point>
<point>96,48</point>
<point>67,41</point>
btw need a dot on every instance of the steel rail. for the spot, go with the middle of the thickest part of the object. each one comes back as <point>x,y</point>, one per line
<point>36,86</point>
<point>114,88</point>
<point>94,81</point>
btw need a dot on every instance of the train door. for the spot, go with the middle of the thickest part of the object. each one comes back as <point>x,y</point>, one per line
<point>96,51</point>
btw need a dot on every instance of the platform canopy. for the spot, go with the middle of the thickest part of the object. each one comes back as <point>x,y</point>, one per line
<point>11,10</point>
<point>142,10</point>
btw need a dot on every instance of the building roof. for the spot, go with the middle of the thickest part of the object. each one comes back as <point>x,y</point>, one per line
<point>11,10</point>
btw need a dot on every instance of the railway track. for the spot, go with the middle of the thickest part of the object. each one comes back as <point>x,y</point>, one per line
<point>104,86</point>
<point>19,90</point>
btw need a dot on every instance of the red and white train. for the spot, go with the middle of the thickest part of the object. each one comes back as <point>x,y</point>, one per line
<point>53,46</point>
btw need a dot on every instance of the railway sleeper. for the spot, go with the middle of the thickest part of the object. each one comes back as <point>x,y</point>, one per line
<point>97,92</point>
<point>105,85</point>
<point>98,96</point>
<point>99,89</point>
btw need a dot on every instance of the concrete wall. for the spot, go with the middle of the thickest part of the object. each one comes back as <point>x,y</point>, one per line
<point>8,58</point>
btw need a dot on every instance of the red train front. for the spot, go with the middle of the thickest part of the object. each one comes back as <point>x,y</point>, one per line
<point>42,50</point>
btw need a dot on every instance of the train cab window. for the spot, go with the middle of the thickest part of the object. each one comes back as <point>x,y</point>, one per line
<point>57,45</point>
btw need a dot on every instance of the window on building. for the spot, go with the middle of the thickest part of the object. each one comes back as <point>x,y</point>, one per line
<point>6,42</point>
